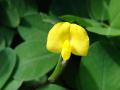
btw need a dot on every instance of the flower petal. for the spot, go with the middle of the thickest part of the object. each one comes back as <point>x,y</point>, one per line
<point>66,50</point>
<point>79,40</point>
<point>57,35</point>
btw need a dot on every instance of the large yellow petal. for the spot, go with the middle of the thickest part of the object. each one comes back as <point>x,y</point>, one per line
<point>79,40</point>
<point>57,35</point>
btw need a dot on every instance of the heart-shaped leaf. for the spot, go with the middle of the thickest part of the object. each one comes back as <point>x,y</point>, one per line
<point>34,60</point>
<point>100,70</point>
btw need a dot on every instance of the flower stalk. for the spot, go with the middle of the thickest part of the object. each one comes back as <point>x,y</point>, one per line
<point>58,69</point>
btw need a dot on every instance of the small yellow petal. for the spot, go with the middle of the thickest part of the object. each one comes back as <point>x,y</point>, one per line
<point>66,50</point>
<point>57,36</point>
<point>79,40</point>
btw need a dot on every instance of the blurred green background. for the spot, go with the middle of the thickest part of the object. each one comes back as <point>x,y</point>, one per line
<point>25,64</point>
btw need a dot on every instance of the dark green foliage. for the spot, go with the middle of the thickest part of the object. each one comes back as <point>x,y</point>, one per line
<point>25,63</point>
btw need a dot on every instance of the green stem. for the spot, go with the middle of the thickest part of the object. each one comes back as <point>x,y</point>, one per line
<point>58,69</point>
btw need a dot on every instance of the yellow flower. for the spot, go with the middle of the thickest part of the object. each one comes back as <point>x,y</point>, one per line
<point>67,38</point>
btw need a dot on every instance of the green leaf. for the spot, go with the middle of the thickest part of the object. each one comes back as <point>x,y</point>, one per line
<point>104,31</point>
<point>42,80</point>
<point>6,35</point>
<point>7,64</point>
<point>49,18</point>
<point>35,20</point>
<point>34,28</point>
<point>114,13</point>
<point>34,60</point>
<point>28,33</point>
<point>13,85</point>
<point>9,16</point>
<point>81,21</point>
<point>24,7</point>
<point>2,43</point>
<point>114,10</point>
<point>65,7</point>
<point>99,9</point>
<point>52,87</point>
<point>116,22</point>
<point>100,70</point>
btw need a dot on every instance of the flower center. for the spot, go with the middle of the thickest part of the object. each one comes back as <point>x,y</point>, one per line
<point>66,50</point>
